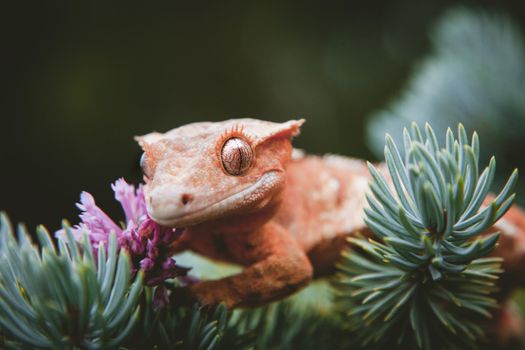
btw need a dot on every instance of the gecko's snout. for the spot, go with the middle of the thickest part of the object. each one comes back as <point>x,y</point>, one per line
<point>167,203</point>
<point>175,206</point>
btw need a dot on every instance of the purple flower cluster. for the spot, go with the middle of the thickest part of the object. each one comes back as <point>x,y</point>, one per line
<point>147,242</point>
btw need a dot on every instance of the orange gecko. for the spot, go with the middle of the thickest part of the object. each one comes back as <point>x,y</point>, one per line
<point>244,195</point>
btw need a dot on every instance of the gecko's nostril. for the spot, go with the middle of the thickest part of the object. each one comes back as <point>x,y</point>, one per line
<point>186,198</point>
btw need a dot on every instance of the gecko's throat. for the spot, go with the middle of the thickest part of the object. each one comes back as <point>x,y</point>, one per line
<point>168,212</point>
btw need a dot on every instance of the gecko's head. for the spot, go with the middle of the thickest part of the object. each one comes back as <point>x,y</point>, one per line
<point>206,171</point>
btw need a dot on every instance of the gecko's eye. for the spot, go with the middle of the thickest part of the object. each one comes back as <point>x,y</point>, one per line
<point>236,156</point>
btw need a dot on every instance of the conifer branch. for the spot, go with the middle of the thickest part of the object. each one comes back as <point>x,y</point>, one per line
<point>65,298</point>
<point>425,280</point>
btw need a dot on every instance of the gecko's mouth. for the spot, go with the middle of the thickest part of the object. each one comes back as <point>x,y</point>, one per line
<point>249,196</point>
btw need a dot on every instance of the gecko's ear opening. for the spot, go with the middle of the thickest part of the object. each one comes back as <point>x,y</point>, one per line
<point>287,129</point>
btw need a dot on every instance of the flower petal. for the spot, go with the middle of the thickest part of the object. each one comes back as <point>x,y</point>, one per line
<point>132,200</point>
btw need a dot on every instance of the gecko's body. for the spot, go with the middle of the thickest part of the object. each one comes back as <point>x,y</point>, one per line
<point>324,204</point>
<point>243,195</point>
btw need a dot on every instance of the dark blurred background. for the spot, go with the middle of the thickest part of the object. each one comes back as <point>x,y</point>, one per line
<point>81,79</point>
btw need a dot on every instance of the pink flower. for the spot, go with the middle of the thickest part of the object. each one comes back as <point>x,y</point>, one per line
<point>132,200</point>
<point>147,242</point>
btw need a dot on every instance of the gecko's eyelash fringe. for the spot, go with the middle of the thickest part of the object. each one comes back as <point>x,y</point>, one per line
<point>237,130</point>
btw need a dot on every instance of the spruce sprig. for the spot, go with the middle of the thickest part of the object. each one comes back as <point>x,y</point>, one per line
<point>425,281</point>
<point>65,298</point>
<point>184,328</point>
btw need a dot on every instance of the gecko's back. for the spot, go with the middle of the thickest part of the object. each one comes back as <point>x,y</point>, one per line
<point>322,203</point>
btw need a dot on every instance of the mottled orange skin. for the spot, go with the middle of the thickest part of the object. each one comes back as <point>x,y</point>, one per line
<point>286,230</point>
<point>511,245</point>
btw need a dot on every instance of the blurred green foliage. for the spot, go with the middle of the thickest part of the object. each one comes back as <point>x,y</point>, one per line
<point>475,75</point>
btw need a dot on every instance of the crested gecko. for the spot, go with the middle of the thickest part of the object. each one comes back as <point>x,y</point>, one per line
<point>242,194</point>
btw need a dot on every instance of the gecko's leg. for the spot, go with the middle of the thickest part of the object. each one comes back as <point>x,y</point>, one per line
<point>511,247</point>
<point>276,266</point>
<point>507,324</point>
